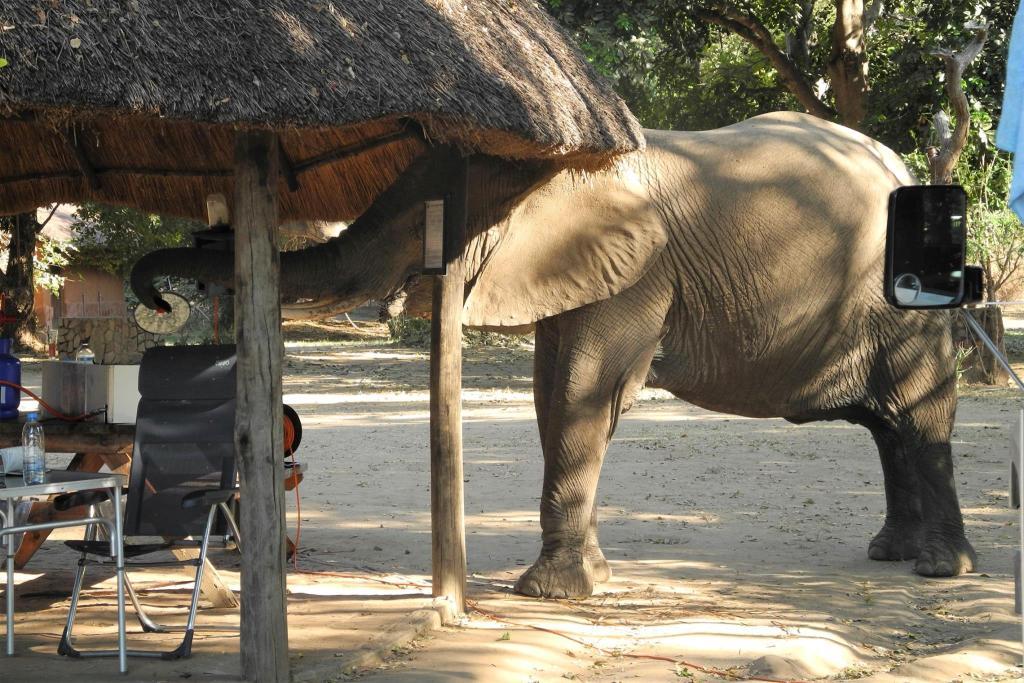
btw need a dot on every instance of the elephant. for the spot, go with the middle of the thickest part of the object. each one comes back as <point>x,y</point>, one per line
<point>738,268</point>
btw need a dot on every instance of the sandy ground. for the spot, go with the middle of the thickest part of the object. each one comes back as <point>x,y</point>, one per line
<point>738,545</point>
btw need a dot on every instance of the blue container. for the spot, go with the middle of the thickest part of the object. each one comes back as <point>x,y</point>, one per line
<point>10,371</point>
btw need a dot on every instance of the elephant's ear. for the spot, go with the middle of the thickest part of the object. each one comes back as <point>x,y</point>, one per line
<point>574,241</point>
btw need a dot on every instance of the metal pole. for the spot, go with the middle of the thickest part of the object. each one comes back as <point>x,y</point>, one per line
<point>117,545</point>
<point>10,579</point>
<point>983,336</point>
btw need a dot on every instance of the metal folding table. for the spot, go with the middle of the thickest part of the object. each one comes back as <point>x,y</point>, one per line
<point>59,482</point>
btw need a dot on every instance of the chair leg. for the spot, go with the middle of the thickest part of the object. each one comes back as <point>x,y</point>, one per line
<point>64,647</point>
<point>148,625</point>
<point>230,517</point>
<point>185,648</point>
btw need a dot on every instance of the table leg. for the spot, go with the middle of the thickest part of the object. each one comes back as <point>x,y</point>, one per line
<point>43,511</point>
<point>117,544</point>
<point>10,578</point>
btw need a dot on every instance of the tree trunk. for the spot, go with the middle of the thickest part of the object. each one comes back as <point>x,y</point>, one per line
<point>798,43</point>
<point>17,283</point>
<point>848,63</point>
<point>980,366</point>
<point>986,368</point>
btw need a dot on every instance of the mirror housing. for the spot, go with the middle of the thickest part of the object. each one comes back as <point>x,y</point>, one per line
<point>926,246</point>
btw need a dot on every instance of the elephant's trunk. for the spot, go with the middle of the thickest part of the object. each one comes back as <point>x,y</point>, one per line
<point>316,282</point>
<point>374,256</point>
<point>208,266</point>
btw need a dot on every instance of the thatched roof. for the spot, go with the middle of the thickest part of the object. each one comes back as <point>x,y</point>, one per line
<point>136,101</point>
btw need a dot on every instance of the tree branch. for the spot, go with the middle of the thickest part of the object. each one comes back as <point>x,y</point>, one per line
<point>40,226</point>
<point>942,159</point>
<point>751,30</point>
<point>871,13</point>
<point>799,41</point>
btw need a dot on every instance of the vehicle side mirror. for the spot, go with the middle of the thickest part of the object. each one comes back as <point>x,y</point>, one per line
<point>926,246</point>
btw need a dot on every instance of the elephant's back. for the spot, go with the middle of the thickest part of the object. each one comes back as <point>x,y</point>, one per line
<point>781,236</point>
<point>771,148</point>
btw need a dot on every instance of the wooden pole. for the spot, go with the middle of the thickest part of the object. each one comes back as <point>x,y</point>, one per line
<point>446,497</point>
<point>259,434</point>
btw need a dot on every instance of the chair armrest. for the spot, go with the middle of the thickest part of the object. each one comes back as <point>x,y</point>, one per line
<point>206,499</point>
<point>72,500</point>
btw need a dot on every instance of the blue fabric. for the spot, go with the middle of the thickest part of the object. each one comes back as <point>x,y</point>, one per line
<point>1010,134</point>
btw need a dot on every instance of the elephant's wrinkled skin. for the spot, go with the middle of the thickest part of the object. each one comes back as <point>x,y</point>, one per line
<point>740,269</point>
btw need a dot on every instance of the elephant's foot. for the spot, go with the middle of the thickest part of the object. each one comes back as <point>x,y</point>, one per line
<point>601,569</point>
<point>896,541</point>
<point>560,576</point>
<point>945,554</point>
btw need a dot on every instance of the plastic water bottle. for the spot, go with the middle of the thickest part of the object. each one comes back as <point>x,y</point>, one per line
<point>33,451</point>
<point>84,354</point>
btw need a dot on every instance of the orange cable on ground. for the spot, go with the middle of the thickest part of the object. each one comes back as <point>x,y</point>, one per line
<point>324,572</point>
<point>298,516</point>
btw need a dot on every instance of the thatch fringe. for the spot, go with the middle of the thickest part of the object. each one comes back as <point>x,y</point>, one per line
<point>137,102</point>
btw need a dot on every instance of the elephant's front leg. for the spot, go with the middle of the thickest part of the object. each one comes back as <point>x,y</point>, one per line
<point>587,369</point>
<point>572,465</point>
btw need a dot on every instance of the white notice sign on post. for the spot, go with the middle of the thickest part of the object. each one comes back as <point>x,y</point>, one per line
<point>433,238</point>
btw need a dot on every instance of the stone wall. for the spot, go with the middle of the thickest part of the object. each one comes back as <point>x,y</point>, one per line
<point>115,341</point>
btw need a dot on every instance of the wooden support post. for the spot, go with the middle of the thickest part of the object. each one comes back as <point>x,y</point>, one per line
<point>259,436</point>
<point>446,498</point>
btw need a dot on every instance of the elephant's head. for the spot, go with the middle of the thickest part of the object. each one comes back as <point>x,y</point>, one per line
<point>538,244</point>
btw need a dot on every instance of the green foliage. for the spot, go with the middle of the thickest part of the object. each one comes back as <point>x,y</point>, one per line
<point>907,85</point>
<point>964,357</point>
<point>675,71</point>
<point>409,331</point>
<point>994,235</point>
<point>492,339</point>
<point>112,238</point>
<point>50,258</point>
<point>3,62</point>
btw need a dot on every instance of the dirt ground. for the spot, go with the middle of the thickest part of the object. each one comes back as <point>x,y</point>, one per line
<point>739,546</point>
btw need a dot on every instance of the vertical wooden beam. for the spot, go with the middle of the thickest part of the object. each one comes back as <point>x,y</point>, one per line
<point>446,497</point>
<point>258,429</point>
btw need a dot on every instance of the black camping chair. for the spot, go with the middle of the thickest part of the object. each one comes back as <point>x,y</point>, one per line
<point>182,475</point>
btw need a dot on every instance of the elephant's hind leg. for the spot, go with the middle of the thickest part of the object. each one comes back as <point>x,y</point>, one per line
<point>902,534</point>
<point>601,362</point>
<point>923,518</point>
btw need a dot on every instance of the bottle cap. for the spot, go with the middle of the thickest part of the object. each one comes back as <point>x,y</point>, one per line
<point>33,416</point>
